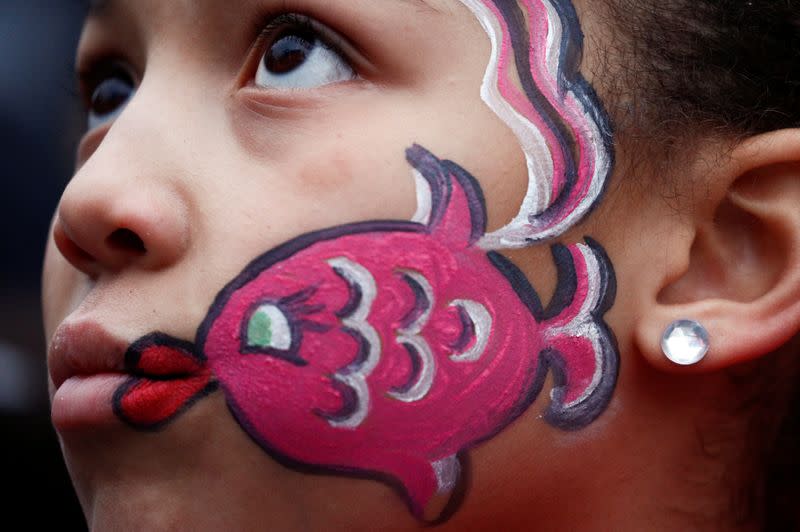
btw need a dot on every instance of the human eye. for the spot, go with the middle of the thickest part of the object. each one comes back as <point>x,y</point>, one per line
<point>301,53</point>
<point>106,88</point>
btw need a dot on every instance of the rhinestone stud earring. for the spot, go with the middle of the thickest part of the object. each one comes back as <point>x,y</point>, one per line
<point>685,342</point>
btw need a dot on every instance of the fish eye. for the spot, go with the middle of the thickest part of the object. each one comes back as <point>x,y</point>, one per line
<point>298,55</point>
<point>108,90</point>
<point>269,328</point>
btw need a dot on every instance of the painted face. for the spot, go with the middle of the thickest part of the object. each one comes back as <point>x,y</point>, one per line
<point>334,347</point>
<point>384,348</point>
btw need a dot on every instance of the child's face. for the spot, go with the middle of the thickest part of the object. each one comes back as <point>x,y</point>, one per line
<point>212,162</point>
<point>218,132</point>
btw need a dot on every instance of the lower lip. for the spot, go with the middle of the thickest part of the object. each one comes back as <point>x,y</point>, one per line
<point>85,402</point>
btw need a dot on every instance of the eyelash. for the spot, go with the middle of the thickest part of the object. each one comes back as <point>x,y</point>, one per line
<point>285,20</point>
<point>274,25</point>
<point>104,66</point>
<point>98,69</point>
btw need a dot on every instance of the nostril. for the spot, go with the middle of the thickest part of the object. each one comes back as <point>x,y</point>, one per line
<point>126,240</point>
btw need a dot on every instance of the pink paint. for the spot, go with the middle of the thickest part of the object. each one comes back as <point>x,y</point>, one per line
<point>519,101</point>
<point>396,346</point>
<point>534,84</point>
<point>568,106</point>
<point>388,349</point>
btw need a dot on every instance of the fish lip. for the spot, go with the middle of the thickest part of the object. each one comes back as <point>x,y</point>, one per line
<point>135,352</point>
<point>84,348</point>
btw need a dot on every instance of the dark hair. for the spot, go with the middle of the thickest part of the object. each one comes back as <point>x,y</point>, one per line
<point>727,65</point>
<point>681,68</point>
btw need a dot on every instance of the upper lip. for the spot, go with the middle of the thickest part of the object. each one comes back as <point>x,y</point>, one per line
<point>84,348</point>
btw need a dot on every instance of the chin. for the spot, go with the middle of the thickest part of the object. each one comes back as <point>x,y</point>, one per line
<point>162,480</point>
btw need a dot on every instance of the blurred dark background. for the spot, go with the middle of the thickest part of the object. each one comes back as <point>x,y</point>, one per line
<point>41,122</point>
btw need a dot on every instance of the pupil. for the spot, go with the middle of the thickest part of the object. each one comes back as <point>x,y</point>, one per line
<point>110,95</point>
<point>259,332</point>
<point>288,52</point>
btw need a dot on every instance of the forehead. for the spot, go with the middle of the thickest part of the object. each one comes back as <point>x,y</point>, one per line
<point>141,20</point>
<point>216,33</point>
<point>97,6</point>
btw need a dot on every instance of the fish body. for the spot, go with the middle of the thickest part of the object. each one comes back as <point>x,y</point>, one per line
<point>392,347</point>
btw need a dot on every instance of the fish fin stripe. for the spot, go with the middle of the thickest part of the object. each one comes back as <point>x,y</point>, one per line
<point>534,84</point>
<point>583,355</point>
<point>519,282</point>
<point>521,40</point>
<point>432,170</point>
<point>566,285</point>
<point>441,176</point>
<point>475,200</point>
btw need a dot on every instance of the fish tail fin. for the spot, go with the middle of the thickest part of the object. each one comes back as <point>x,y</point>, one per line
<point>581,350</point>
<point>167,377</point>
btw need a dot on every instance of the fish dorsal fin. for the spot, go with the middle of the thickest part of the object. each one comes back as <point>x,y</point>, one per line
<point>450,201</point>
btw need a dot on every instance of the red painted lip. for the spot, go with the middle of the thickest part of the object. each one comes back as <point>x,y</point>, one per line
<point>168,377</point>
<point>84,349</point>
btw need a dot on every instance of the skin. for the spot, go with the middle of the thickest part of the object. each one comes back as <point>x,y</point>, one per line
<point>242,169</point>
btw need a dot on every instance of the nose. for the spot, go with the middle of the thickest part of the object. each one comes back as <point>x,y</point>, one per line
<point>113,215</point>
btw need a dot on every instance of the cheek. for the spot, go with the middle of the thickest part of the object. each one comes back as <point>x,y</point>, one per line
<point>502,172</point>
<point>332,185</point>
<point>343,185</point>
<point>486,147</point>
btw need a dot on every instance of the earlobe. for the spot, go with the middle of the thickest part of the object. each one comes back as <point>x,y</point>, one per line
<point>742,279</point>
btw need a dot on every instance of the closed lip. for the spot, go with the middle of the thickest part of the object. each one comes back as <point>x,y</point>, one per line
<point>84,349</point>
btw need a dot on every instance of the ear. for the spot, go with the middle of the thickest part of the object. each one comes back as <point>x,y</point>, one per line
<point>734,265</point>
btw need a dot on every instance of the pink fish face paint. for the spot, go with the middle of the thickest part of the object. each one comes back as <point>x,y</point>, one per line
<point>368,348</point>
<point>389,349</point>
